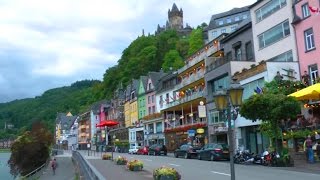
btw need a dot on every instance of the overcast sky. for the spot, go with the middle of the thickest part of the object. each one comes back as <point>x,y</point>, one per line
<point>46,44</point>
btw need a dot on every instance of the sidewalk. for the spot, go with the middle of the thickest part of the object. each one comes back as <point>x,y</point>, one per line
<point>65,169</point>
<point>303,166</point>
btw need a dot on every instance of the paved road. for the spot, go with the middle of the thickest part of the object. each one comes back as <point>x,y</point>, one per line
<point>191,169</point>
<point>64,171</point>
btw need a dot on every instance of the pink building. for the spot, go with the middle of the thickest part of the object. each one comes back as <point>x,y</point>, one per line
<point>307,28</point>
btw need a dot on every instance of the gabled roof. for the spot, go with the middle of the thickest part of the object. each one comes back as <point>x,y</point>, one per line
<point>156,76</point>
<point>66,121</point>
<point>165,77</point>
<point>95,107</point>
<point>233,11</point>
<point>144,81</point>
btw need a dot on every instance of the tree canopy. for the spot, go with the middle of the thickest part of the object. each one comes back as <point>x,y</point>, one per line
<point>196,41</point>
<point>172,60</point>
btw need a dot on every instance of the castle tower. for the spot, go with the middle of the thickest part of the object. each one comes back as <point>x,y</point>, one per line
<point>175,17</point>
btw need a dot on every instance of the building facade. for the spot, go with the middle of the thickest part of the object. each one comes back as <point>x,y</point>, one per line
<point>306,31</point>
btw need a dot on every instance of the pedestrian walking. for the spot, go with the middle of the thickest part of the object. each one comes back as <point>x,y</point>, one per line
<point>309,149</point>
<point>54,166</point>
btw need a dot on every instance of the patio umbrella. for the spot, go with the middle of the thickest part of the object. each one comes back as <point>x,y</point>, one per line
<point>311,92</point>
<point>107,123</point>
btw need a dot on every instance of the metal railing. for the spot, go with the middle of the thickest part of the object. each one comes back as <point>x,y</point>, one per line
<point>35,172</point>
<point>86,169</point>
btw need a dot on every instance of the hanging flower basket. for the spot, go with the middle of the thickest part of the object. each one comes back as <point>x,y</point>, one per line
<point>135,165</point>
<point>121,160</point>
<point>166,173</point>
<point>106,157</point>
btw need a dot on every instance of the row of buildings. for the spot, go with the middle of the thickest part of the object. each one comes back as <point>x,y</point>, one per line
<point>253,44</point>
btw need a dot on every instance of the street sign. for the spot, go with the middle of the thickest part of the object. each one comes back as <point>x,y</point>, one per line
<point>191,132</point>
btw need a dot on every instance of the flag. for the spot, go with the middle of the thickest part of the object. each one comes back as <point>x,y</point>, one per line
<point>314,9</point>
<point>258,90</point>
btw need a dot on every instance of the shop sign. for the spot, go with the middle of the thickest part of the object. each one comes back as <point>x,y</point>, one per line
<point>200,130</point>
<point>202,111</point>
<point>221,129</point>
<point>191,132</point>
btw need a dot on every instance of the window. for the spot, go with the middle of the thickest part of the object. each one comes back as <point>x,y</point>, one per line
<point>284,57</point>
<point>244,16</point>
<point>149,110</point>
<point>251,87</point>
<point>314,73</point>
<point>228,20</point>
<point>152,99</point>
<point>220,22</point>
<point>153,109</point>
<point>233,28</point>
<point>274,34</point>
<point>237,18</point>
<point>149,86</point>
<point>305,10</point>
<point>149,99</point>
<point>229,56</point>
<point>214,34</point>
<point>238,53</point>
<point>223,30</point>
<point>249,51</point>
<point>223,82</point>
<point>159,127</point>
<point>269,8</point>
<point>215,117</point>
<point>309,39</point>
<point>151,131</point>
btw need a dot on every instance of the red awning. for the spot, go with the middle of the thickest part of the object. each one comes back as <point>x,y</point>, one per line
<point>107,123</point>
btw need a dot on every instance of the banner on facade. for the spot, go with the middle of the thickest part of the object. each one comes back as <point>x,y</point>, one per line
<point>191,133</point>
<point>202,111</point>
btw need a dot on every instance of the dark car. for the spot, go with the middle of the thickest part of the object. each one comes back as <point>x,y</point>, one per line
<point>143,150</point>
<point>187,151</point>
<point>157,149</point>
<point>213,152</point>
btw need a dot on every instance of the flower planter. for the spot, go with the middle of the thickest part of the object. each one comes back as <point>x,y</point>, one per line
<point>166,177</point>
<point>121,163</point>
<point>136,168</point>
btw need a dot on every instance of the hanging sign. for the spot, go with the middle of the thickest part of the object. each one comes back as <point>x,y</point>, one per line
<point>202,111</point>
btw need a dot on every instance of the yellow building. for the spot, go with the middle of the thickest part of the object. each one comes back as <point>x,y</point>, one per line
<point>134,111</point>
<point>127,114</point>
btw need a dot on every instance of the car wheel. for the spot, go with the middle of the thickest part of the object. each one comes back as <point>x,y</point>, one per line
<point>212,157</point>
<point>186,156</point>
<point>175,155</point>
<point>199,156</point>
<point>154,153</point>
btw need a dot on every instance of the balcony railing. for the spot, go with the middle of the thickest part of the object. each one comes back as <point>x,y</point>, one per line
<point>190,79</point>
<point>215,62</point>
<point>185,127</point>
<point>194,96</point>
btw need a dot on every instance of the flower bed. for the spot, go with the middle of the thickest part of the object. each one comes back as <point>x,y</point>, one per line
<point>121,160</point>
<point>135,165</point>
<point>166,173</point>
<point>106,156</point>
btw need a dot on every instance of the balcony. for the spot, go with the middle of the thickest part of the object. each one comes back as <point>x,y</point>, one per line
<point>185,99</point>
<point>200,56</point>
<point>215,62</point>
<point>82,126</point>
<point>191,79</point>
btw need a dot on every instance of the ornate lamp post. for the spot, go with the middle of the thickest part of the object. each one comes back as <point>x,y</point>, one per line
<point>226,100</point>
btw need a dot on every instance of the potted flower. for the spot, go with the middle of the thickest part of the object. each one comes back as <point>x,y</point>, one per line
<point>166,173</point>
<point>121,160</point>
<point>135,165</point>
<point>106,156</point>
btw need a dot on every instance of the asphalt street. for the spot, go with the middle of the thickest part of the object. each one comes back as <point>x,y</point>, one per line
<point>191,169</point>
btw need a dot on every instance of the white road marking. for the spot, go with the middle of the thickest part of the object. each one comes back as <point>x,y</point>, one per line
<point>174,164</point>
<point>147,159</point>
<point>220,173</point>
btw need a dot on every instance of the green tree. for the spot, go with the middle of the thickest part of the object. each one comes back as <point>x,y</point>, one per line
<point>172,60</point>
<point>270,108</point>
<point>30,150</point>
<point>196,41</point>
<point>285,87</point>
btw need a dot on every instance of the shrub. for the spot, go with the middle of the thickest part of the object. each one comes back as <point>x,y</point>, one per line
<point>121,160</point>
<point>166,172</point>
<point>135,165</point>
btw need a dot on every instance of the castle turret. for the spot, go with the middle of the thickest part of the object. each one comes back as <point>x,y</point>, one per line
<point>175,17</point>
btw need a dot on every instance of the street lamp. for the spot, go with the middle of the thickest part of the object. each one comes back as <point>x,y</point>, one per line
<point>113,137</point>
<point>226,100</point>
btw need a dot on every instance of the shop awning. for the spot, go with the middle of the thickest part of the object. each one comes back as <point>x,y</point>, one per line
<point>311,92</point>
<point>107,123</point>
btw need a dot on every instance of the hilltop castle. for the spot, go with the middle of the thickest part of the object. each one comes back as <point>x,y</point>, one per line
<point>175,21</point>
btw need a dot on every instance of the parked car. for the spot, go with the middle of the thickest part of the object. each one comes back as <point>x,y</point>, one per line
<point>214,151</point>
<point>134,150</point>
<point>187,151</point>
<point>157,149</point>
<point>143,150</point>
